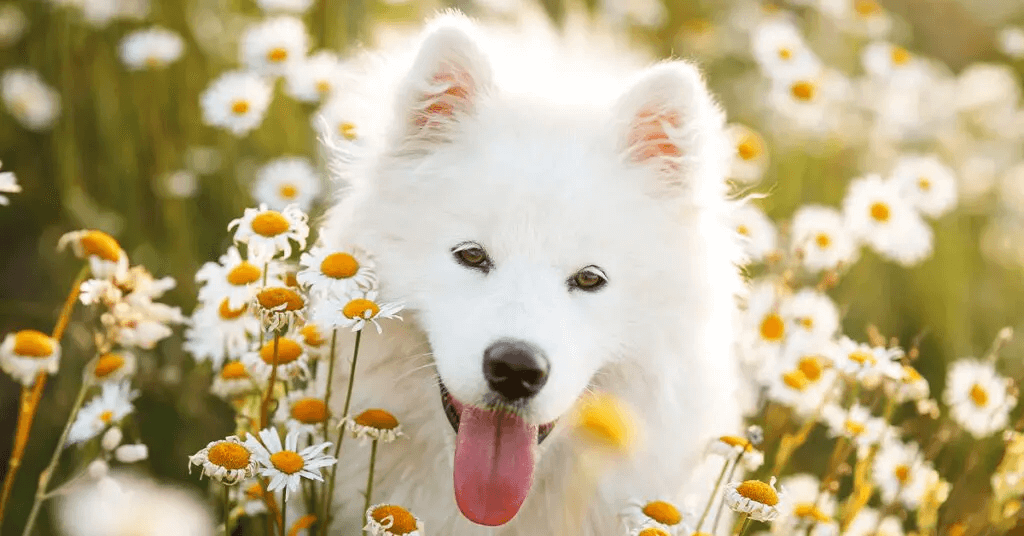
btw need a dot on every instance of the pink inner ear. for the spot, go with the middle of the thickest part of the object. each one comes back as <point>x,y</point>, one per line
<point>443,104</point>
<point>648,138</point>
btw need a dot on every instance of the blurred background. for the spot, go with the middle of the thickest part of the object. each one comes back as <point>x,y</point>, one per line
<point>129,153</point>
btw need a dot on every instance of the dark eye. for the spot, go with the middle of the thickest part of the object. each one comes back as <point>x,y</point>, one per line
<point>472,255</point>
<point>590,279</point>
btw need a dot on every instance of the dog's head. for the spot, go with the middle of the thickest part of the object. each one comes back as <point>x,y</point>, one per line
<point>534,241</point>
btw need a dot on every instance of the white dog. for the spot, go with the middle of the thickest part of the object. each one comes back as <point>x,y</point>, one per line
<point>550,231</point>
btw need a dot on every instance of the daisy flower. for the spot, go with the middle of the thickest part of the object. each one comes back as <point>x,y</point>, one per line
<point>13,23</point>
<point>754,498</point>
<point>271,46</point>
<point>8,185</point>
<point>820,238</point>
<point>979,399</point>
<point>763,332</point>
<point>342,121</point>
<point>857,424</point>
<point>780,50</point>
<point>316,342</point>
<point>286,181</point>
<point>279,307</point>
<point>235,279</point>
<point>654,529</point>
<point>877,213</point>
<point>751,158</point>
<point>249,497</point>
<point>376,424</point>
<point>861,17</point>
<point>290,6</point>
<point>113,366</point>
<point>28,352</point>
<point>813,317</point>
<point>315,77</point>
<point>291,359</point>
<point>804,505</point>
<point>285,465</point>
<point>227,460</point>
<point>113,404</point>
<point>809,101</point>
<point>757,233</point>
<point>867,363</point>
<point>220,333</point>
<point>729,446</point>
<point>927,183</point>
<point>268,233</point>
<point>233,381</point>
<point>152,48</point>
<point>901,473</point>
<point>355,313</point>
<point>1011,41</point>
<point>392,520</point>
<point>304,410</point>
<point>106,258</point>
<point>236,101</point>
<point>892,63</point>
<point>910,385</point>
<point>29,99</point>
<point>659,512</point>
<point>805,386</point>
<point>328,272</point>
<point>866,523</point>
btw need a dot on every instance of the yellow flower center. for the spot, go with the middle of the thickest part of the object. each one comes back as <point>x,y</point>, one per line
<point>233,371</point>
<point>750,147</point>
<point>803,90</point>
<point>290,280</point>
<point>663,512</point>
<point>101,245</point>
<point>866,8</point>
<point>812,367</point>
<point>269,223</point>
<point>229,455</point>
<point>773,328</point>
<point>32,343</point>
<point>377,418</point>
<point>806,322</point>
<point>288,191</point>
<point>107,364</point>
<point>240,107</point>
<point>225,310</point>
<point>277,55</point>
<point>339,265</point>
<point>107,416</point>
<point>902,473</point>
<point>900,55</point>
<point>823,240</point>
<point>275,297</point>
<point>758,491</point>
<point>880,212</point>
<point>924,184</point>
<point>287,462</point>
<point>347,131</point>
<point>153,62</point>
<point>311,335</point>
<point>810,511</point>
<point>605,421</point>
<point>402,522</point>
<point>957,529</point>
<point>795,379</point>
<point>254,492</point>
<point>323,86</point>
<point>653,531</point>
<point>854,428</point>
<point>979,395</point>
<point>785,53</point>
<point>911,375</point>
<point>243,274</point>
<point>862,358</point>
<point>358,308</point>
<point>287,351</point>
<point>743,230</point>
<point>309,410</point>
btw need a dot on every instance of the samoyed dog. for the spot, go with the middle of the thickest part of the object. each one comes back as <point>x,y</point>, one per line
<point>553,226</point>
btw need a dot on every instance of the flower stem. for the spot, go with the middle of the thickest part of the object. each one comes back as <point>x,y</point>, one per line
<point>44,477</point>
<point>714,492</point>
<point>746,523</point>
<point>265,406</point>
<point>227,511</point>
<point>284,510</point>
<point>341,434</point>
<point>330,372</point>
<point>721,507</point>
<point>30,397</point>
<point>369,478</point>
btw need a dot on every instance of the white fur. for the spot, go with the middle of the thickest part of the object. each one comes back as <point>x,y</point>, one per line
<point>537,163</point>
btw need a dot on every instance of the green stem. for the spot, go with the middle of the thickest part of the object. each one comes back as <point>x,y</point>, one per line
<point>284,510</point>
<point>714,492</point>
<point>369,478</point>
<point>227,511</point>
<point>718,514</point>
<point>746,524</point>
<point>330,372</point>
<point>341,435</point>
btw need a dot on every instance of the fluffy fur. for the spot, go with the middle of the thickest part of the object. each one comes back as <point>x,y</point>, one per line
<point>553,162</point>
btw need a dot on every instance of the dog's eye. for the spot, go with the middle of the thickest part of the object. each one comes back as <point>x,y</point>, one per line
<point>472,255</point>
<point>590,279</point>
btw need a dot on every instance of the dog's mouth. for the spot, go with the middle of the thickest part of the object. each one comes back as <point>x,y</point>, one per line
<point>494,459</point>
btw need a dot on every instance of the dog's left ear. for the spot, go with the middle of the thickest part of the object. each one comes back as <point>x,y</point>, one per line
<point>668,123</point>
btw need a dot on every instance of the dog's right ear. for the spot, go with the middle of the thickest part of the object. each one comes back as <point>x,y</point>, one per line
<point>448,78</point>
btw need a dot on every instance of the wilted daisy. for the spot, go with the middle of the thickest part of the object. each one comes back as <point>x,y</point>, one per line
<point>754,498</point>
<point>106,258</point>
<point>866,523</point>
<point>291,359</point>
<point>28,352</point>
<point>13,23</point>
<point>979,399</point>
<point>901,473</point>
<point>236,101</point>
<point>376,424</point>
<point>279,307</point>
<point>218,333</point>
<point>285,465</point>
<point>927,183</point>
<point>235,279</point>
<point>304,410</point>
<point>233,381</point>
<point>751,158</point>
<point>8,185</point>
<point>271,46</point>
<point>290,6</point>
<point>29,99</point>
<point>877,213</point>
<point>269,233</point>
<point>286,181</point>
<point>113,366</point>
<point>660,511</point>
<point>780,50</point>
<point>152,48</point>
<point>757,233</point>
<point>392,520</point>
<point>813,316</point>
<point>313,78</point>
<point>1011,41</point>
<point>820,236</point>
<point>227,460</point>
<point>328,272</point>
<point>354,313</point>
<point>804,506</point>
<point>113,404</point>
<point>729,447</point>
<point>857,424</point>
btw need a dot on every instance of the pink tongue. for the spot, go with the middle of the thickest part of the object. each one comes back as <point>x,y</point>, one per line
<point>493,465</point>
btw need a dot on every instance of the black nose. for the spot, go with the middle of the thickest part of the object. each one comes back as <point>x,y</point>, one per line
<point>515,369</point>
